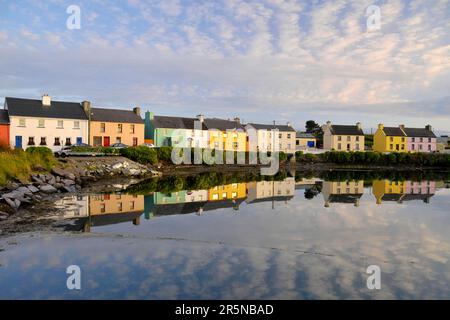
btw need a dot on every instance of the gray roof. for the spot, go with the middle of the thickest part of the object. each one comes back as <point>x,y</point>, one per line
<point>305,135</point>
<point>4,117</point>
<point>419,132</point>
<point>393,131</point>
<point>34,108</point>
<point>346,130</point>
<point>221,124</point>
<point>175,122</point>
<point>115,115</point>
<point>272,127</point>
<point>344,198</point>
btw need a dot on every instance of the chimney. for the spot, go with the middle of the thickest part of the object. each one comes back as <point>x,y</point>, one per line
<point>289,124</point>
<point>137,110</point>
<point>358,125</point>
<point>381,126</point>
<point>149,115</point>
<point>402,126</point>
<point>237,120</point>
<point>328,124</point>
<point>201,118</point>
<point>86,107</point>
<point>46,100</point>
<point>428,127</point>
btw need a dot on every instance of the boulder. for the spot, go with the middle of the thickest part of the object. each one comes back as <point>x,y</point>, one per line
<point>48,188</point>
<point>69,189</point>
<point>37,179</point>
<point>117,166</point>
<point>12,185</point>
<point>52,180</point>
<point>33,189</point>
<point>68,182</point>
<point>13,203</point>
<point>24,190</point>
<point>13,195</point>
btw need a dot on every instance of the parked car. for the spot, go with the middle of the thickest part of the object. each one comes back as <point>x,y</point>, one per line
<point>118,146</point>
<point>68,151</point>
<point>149,145</point>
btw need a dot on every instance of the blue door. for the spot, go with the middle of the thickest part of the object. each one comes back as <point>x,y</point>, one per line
<point>310,144</point>
<point>79,140</point>
<point>19,142</point>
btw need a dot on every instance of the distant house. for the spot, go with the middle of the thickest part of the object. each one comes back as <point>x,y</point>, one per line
<point>4,128</point>
<point>273,138</point>
<point>304,140</point>
<point>343,137</point>
<point>390,139</point>
<point>46,123</point>
<point>399,191</point>
<point>164,131</point>
<point>109,126</point>
<point>443,143</point>
<point>227,135</point>
<point>263,191</point>
<point>420,139</point>
<point>342,192</point>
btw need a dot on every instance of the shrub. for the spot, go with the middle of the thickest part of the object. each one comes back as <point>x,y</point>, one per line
<point>141,154</point>
<point>165,153</point>
<point>310,157</point>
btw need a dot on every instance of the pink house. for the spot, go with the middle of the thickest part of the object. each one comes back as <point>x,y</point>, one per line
<point>420,139</point>
<point>419,190</point>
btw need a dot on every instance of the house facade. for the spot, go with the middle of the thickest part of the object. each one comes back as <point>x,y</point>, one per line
<point>343,137</point>
<point>226,135</point>
<point>304,141</point>
<point>4,129</point>
<point>262,191</point>
<point>390,139</point>
<point>420,139</point>
<point>271,138</point>
<point>342,192</point>
<point>180,132</point>
<point>45,123</point>
<point>399,191</point>
<point>109,126</point>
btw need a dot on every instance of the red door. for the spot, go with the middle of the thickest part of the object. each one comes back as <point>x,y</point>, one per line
<point>106,142</point>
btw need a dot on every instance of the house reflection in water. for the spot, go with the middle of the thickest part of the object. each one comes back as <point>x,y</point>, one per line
<point>342,192</point>
<point>262,191</point>
<point>195,201</point>
<point>399,191</point>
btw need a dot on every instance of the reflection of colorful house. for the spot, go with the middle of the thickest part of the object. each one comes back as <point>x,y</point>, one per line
<point>227,192</point>
<point>390,139</point>
<point>385,190</point>
<point>73,206</point>
<point>419,190</point>
<point>342,192</point>
<point>260,191</point>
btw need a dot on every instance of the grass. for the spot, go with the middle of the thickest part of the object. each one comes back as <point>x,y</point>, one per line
<point>18,164</point>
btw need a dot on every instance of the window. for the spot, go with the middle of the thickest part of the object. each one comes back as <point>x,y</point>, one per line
<point>403,139</point>
<point>421,139</point>
<point>22,122</point>
<point>31,141</point>
<point>135,142</point>
<point>102,208</point>
<point>391,146</point>
<point>297,142</point>
<point>429,140</point>
<point>289,135</point>
<point>357,138</point>
<point>132,205</point>
<point>349,138</point>
<point>57,142</point>
<point>68,142</point>
<point>339,138</point>
<point>280,135</point>
<point>41,123</point>
<point>429,147</point>
<point>132,128</point>
<point>76,124</point>
<point>413,146</point>
<point>97,141</point>
<point>357,146</point>
<point>60,124</point>
<point>234,195</point>
<point>224,195</point>
<point>119,128</point>
<point>413,139</point>
<point>420,147</point>
<point>392,139</point>
<point>339,146</point>
<point>215,196</point>
<point>119,206</point>
<point>43,141</point>
<point>118,140</point>
<point>235,145</point>
<point>102,127</point>
<point>289,146</point>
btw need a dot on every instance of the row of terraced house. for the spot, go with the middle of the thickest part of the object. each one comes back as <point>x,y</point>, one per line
<point>55,124</point>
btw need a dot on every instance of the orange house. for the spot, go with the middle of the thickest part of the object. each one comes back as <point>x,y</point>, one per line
<point>4,128</point>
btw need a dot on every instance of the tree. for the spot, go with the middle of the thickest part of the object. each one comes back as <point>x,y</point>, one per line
<point>312,127</point>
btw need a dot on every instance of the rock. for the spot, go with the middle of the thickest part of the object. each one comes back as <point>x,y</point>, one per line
<point>12,185</point>
<point>68,182</point>
<point>24,190</point>
<point>48,188</point>
<point>117,166</point>
<point>134,172</point>
<point>13,203</point>
<point>69,188</point>
<point>52,180</point>
<point>38,168</point>
<point>33,189</point>
<point>70,176</point>
<point>59,172</point>
<point>37,179</point>
<point>13,195</point>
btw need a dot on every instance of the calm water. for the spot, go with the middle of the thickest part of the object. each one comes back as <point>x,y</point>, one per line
<point>304,239</point>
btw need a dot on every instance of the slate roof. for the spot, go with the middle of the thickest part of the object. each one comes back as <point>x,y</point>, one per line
<point>415,196</point>
<point>4,117</point>
<point>175,123</point>
<point>270,199</point>
<point>278,127</point>
<point>393,131</point>
<point>221,124</point>
<point>345,130</point>
<point>392,196</point>
<point>344,198</point>
<point>220,204</point>
<point>33,108</point>
<point>115,115</point>
<point>419,132</point>
<point>305,135</point>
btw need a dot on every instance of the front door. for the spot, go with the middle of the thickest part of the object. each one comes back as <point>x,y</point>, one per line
<point>79,140</point>
<point>19,142</point>
<point>106,142</point>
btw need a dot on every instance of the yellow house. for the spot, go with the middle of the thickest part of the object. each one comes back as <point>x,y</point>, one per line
<point>228,192</point>
<point>343,137</point>
<point>385,190</point>
<point>226,135</point>
<point>349,191</point>
<point>110,126</point>
<point>390,139</point>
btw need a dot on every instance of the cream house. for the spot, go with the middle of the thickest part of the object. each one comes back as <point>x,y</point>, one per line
<point>343,137</point>
<point>46,123</point>
<point>273,138</point>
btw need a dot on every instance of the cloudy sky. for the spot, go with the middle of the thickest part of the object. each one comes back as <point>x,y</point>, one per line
<point>261,60</point>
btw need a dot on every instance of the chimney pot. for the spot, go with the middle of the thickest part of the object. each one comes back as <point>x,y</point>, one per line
<point>428,127</point>
<point>137,110</point>
<point>46,100</point>
<point>86,107</point>
<point>201,118</point>
<point>381,126</point>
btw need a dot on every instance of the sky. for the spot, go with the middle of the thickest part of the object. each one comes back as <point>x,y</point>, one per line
<point>264,61</point>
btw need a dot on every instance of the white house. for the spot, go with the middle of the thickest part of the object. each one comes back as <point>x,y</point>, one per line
<point>46,123</point>
<point>273,138</point>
